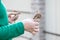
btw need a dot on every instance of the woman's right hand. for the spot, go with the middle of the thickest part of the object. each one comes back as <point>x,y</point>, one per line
<point>31,26</point>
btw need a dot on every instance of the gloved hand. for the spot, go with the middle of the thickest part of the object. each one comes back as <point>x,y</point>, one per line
<point>31,26</point>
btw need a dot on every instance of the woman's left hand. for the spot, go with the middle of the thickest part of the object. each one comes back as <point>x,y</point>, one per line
<point>12,17</point>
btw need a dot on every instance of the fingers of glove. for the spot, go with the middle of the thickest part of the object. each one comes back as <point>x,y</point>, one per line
<point>36,30</point>
<point>35,27</point>
<point>36,23</point>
